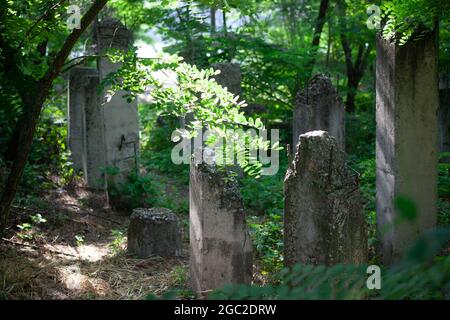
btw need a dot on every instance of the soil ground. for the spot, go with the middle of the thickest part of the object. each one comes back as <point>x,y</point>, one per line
<point>80,253</point>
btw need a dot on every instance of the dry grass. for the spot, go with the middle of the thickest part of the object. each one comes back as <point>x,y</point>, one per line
<point>53,265</point>
<point>27,274</point>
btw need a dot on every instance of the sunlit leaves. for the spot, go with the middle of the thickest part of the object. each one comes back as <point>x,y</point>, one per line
<point>408,19</point>
<point>193,91</point>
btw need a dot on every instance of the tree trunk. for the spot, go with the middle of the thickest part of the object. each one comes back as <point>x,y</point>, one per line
<point>350,101</point>
<point>320,22</point>
<point>25,131</point>
<point>33,101</point>
<point>213,20</point>
<point>224,17</point>
<point>355,70</point>
<point>321,19</point>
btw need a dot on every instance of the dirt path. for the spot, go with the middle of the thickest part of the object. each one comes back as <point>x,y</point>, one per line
<point>79,253</point>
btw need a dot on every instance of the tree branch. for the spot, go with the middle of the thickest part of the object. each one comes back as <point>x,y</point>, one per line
<point>33,100</point>
<point>41,18</point>
<point>321,19</point>
<point>71,40</point>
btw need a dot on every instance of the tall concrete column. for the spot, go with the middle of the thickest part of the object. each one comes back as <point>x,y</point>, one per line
<point>120,118</point>
<point>221,248</point>
<point>76,105</point>
<point>407,139</point>
<point>94,158</point>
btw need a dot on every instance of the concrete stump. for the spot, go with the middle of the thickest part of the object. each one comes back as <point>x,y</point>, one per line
<point>324,222</point>
<point>319,107</point>
<point>407,140</point>
<point>154,232</point>
<point>221,249</point>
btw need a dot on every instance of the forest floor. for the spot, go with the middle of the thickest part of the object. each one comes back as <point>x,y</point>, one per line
<point>79,252</point>
<point>68,244</point>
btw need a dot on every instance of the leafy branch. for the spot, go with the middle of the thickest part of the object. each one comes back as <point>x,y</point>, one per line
<point>191,91</point>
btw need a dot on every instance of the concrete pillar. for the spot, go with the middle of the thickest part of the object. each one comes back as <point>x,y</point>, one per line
<point>221,249</point>
<point>86,127</point>
<point>324,222</point>
<point>407,139</point>
<point>319,107</point>
<point>76,105</point>
<point>120,118</point>
<point>94,158</point>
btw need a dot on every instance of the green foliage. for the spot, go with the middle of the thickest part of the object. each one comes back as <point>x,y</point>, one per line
<point>37,219</point>
<point>194,92</point>
<point>26,27</point>
<point>79,240</point>
<point>367,174</point>
<point>157,148</point>
<point>264,200</point>
<point>267,237</point>
<point>49,157</point>
<point>444,212</point>
<point>360,133</point>
<point>138,191</point>
<point>444,46</point>
<point>264,194</point>
<point>27,229</point>
<point>179,286</point>
<point>407,209</point>
<point>117,244</point>
<point>421,275</point>
<point>412,19</point>
<point>444,177</point>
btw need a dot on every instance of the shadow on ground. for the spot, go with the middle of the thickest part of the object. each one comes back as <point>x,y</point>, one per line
<point>80,253</point>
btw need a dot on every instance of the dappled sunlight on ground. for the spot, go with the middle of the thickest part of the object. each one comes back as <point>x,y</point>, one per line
<point>76,254</point>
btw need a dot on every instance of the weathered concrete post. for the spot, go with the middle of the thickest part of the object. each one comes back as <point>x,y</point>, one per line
<point>324,222</point>
<point>76,106</point>
<point>86,128</point>
<point>94,158</point>
<point>102,134</point>
<point>407,139</point>
<point>319,107</point>
<point>221,249</point>
<point>120,118</point>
